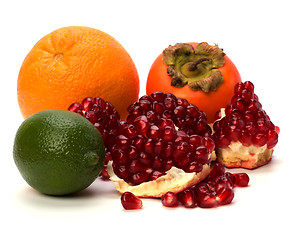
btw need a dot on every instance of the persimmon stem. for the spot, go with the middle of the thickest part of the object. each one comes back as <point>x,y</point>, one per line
<point>192,66</point>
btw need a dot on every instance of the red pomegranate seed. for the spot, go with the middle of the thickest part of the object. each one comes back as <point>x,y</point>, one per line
<point>206,200</point>
<point>130,201</point>
<point>74,107</point>
<point>224,196</point>
<point>169,199</point>
<point>272,138</point>
<point>88,103</point>
<point>187,198</point>
<point>242,179</point>
<point>217,170</point>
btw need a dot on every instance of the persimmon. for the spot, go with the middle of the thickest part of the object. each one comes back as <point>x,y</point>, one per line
<point>198,72</point>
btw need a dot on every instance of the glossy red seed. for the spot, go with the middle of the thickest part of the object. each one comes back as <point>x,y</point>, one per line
<point>224,196</point>
<point>142,124</point>
<point>88,103</point>
<point>272,138</point>
<point>154,132</point>
<point>217,169</point>
<point>209,143</point>
<point>249,86</point>
<point>201,154</point>
<point>168,133</point>
<point>130,202</point>
<point>157,96</point>
<point>242,179</point>
<point>207,200</point>
<point>238,88</point>
<point>169,199</point>
<point>260,139</point>
<point>187,198</point>
<point>75,107</point>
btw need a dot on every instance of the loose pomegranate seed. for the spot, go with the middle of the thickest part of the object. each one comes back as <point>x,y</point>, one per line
<point>242,179</point>
<point>224,196</point>
<point>207,200</point>
<point>187,198</point>
<point>169,199</point>
<point>130,201</point>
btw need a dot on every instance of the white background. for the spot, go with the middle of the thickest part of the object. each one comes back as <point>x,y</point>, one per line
<point>254,34</point>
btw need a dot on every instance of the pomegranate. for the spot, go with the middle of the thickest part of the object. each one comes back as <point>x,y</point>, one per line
<point>244,136</point>
<point>105,118</point>
<point>164,146</point>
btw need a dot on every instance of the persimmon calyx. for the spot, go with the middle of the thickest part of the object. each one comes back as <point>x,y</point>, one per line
<point>198,68</point>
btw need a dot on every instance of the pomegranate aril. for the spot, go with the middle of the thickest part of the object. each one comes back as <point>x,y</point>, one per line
<point>182,102</point>
<point>155,174</point>
<point>169,103</point>
<point>201,154</point>
<point>142,124</point>
<point>249,86</point>
<point>169,199</point>
<point>187,198</point>
<point>140,177</point>
<point>217,169</point>
<point>153,132</point>
<point>206,200</point>
<point>130,201</point>
<point>245,138</point>
<point>242,179</point>
<point>158,107</point>
<point>145,159</point>
<point>259,139</point>
<point>88,103</point>
<point>75,107</point>
<point>157,96</point>
<point>168,133</point>
<point>145,105</point>
<point>272,138</point>
<point>224,196</point>
<point>239,87</point>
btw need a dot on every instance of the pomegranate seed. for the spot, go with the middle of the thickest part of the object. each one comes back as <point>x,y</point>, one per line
<point>224,196</point>
<point>169,199</point>
<point>75,107</point>
<point>272,138</point>
<point>187,198</point>
<point>142,124</point>
<point>130,201</point>
<point>88,103</point>
<point>207,200</point>
<point>249,86</point>
<point>242,179</point>
<point>217,170</point>
<point>239,88</point>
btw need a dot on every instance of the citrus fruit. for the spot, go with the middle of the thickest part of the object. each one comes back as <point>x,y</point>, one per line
<point>58,152</point>
<point>72,63</point>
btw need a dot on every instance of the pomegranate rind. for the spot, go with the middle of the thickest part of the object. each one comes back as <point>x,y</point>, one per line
<point>175,180</point>
<point>245,157</point>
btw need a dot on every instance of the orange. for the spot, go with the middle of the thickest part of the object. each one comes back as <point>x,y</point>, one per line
<point>72,63</point>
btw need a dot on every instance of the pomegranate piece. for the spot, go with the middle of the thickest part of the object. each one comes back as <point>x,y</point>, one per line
<point>105,118</point>
<point>241,179</point>
<point>130,201</point>
<point>169,199</point>
<point>244,136</point>
<point>165,132</point>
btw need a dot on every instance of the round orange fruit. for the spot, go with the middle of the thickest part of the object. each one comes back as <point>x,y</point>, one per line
<point>72,63</point>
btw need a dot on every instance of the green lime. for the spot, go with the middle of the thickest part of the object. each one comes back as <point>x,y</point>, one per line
<point>58,152</point>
